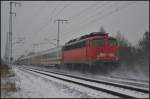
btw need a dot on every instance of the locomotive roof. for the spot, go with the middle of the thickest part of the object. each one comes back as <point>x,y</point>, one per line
<point>87,36</point>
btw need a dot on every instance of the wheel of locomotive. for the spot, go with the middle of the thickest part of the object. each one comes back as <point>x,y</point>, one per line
<point>68,67</point>
<point>56,66</point>
<point>80,67</point>
<point>72,66</point>
<point>101,68</point>
<point>109,67</point>
<point>90,68</point>
<point>86,68</point>
<point>65,66</point>
<point>117,64</point>
<point>77,67</point>
<point>94,68</point>
<point>97,68</point>
<point>83,68</point>
<point>113,66</point>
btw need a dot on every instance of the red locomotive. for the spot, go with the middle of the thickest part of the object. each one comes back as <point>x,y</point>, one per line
<point>92,49</point>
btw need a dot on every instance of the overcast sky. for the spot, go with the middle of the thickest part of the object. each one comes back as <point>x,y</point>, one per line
<point>34,21</point>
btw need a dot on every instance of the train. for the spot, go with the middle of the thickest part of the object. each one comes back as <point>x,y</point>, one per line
<point>90,50</point>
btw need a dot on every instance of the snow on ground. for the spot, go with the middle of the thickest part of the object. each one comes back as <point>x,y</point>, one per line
<point>126,72</point>
<point>32,86</point>
<point>86,91</point>
<point>122,73</point>
<point>115,89</point>
<point>101,77</point>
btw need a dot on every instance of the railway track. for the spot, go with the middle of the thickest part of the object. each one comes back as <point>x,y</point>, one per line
<point>107,87</point>
<point>118,80</point>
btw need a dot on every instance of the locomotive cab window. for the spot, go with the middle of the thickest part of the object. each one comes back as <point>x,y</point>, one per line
<point>75,46</point>
<point>98,42</point>
<point>112,42</point>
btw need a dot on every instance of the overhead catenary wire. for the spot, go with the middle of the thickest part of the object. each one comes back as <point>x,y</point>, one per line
<point>89,10</point>
<point>41,9</point>
<point>51,17</point>
<point>104,3</point>
<point>47,22</point>
<point>101,17</point>
<point>38,11</point>
<point>62,9</point>
<point>107,14</point>
<point>88,17</point>
<point>95,20</point>
<point>85,24</point>
<point>80,17</point>
<point>83,11</point>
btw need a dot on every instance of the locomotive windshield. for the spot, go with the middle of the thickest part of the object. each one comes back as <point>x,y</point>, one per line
<point>98,42</point>
<point>112,42</point>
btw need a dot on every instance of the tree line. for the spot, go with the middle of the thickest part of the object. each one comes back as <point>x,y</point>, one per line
<point>136,56</point>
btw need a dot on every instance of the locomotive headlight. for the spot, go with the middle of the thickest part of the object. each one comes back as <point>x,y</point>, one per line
<point>106,54</point>
<point>102,54</point>
<point>111,54</point>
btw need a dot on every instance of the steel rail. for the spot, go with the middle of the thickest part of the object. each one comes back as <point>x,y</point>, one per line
<point>91,86</point>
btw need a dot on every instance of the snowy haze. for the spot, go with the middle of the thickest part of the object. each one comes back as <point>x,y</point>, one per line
<point>35,21</point>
